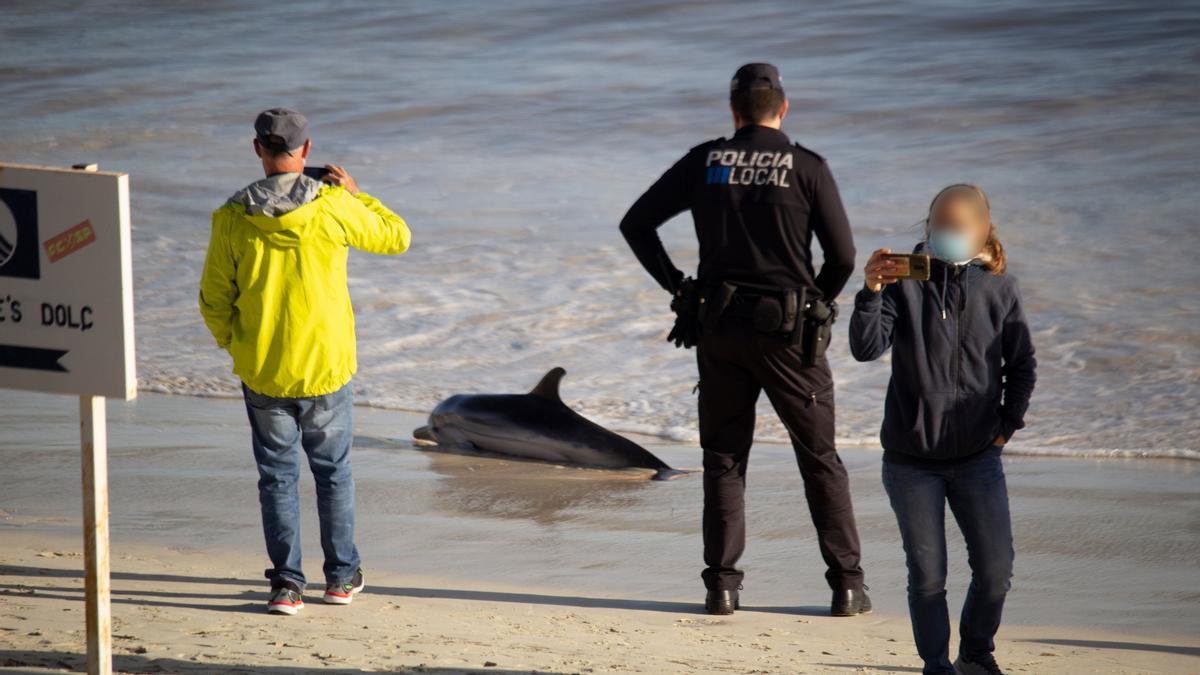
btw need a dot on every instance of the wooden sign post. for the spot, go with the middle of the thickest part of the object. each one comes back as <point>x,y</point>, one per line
<point>66,326</point>
<point>94,437</point>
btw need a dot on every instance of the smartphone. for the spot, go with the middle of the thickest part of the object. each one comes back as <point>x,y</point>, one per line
<point>317,172</point>
<point>910,265</point>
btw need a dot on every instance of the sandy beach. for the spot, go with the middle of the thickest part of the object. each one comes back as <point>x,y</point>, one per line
<point>485,565</point>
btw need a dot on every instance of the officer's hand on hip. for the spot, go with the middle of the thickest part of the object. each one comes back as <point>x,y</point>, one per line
<point>338,176</point>
<point>879,270</point>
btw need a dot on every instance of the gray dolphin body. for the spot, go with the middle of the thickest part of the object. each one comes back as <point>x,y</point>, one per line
<point>537,426</point>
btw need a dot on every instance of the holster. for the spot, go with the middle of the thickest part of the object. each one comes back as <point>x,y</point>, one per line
<point>818,319</point>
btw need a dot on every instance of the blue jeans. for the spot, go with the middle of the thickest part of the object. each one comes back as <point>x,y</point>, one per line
<point>321,427</point>
<point>978,498</point>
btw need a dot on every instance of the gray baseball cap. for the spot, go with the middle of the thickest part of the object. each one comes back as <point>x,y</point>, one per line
<point>281,129</point>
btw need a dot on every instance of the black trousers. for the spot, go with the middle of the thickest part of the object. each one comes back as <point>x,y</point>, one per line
<point>735,365</point>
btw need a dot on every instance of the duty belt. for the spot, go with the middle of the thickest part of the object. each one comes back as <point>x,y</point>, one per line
<point>766,309</point>
<point>783,312</point>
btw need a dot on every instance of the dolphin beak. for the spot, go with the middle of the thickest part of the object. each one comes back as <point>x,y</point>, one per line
<point>424,436</point>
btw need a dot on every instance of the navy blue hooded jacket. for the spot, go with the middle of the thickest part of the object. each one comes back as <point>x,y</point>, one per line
<point>963,364</point>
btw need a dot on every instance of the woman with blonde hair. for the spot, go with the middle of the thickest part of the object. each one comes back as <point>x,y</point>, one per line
<point>963,369</point>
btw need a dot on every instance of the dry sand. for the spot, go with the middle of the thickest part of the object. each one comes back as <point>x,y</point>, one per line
<point>179,611</point>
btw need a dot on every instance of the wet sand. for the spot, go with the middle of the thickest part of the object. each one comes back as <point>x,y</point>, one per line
<point>475,561</point>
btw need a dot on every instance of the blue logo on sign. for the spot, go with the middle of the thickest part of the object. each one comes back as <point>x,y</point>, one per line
<point>19,252</point>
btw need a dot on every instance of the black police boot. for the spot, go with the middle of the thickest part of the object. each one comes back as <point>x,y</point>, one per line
<point>850,602</point>
<point>721,602</point>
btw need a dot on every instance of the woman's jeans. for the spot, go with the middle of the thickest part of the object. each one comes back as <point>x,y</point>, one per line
<point>978,498</point>
<point>321,427</point>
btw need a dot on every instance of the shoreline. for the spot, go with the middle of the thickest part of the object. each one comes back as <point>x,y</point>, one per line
<point>1185,454</point>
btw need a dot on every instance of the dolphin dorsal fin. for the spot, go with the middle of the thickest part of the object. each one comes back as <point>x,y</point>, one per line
<point>548,387</point>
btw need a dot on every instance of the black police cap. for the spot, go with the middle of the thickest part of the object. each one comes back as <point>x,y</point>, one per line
<point>756,76</point>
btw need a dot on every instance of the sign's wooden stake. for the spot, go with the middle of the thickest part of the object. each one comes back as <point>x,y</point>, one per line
<point>94,437</point>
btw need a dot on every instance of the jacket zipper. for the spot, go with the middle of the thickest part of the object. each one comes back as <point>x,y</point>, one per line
<point>959,306</point>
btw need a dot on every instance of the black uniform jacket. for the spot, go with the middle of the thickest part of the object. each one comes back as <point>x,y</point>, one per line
<point>757,200</point>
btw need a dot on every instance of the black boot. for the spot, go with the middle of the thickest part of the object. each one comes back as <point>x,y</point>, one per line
<point>721,602</point>
<point>982,665</point>
<point>850,602</point>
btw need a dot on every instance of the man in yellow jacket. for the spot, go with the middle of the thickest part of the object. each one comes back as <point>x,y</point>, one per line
<point>273,294</point>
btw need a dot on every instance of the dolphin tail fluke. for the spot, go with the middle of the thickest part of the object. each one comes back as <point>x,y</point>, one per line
<point>424,436</point>
<point>667,473</point>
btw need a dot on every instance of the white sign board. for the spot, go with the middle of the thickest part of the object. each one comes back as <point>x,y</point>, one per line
<point>66,284</point>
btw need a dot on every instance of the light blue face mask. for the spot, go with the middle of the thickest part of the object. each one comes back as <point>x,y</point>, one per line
<point>951,246</point>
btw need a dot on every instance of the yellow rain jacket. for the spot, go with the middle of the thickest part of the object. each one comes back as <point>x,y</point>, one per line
<point>273,292</point>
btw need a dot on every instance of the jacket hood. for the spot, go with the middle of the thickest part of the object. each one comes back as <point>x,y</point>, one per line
<point>279,205</point>
<point>276,195</point>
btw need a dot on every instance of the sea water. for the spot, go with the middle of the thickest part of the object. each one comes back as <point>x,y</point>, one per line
<point>513,135</point>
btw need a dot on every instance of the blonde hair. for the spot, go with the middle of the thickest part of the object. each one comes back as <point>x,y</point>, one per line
<point>994,257</point>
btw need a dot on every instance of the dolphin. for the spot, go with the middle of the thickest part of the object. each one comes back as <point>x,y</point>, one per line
<point>537,426</point>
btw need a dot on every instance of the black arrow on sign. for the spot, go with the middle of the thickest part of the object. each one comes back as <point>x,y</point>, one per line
<point>33,358</point>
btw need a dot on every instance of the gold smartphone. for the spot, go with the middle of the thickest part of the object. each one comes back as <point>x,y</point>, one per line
<point>910,265</point>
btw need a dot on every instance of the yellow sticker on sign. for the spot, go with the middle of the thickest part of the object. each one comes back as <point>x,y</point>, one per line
<point>63,245</point>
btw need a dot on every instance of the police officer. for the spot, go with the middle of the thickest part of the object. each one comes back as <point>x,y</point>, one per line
<point>759,315</point>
